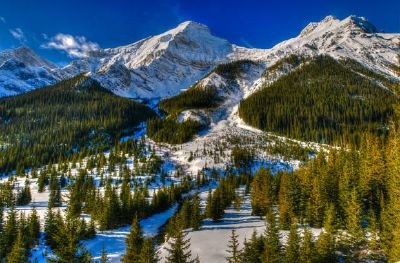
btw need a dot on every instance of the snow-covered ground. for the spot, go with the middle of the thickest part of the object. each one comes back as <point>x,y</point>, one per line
<point>210,242</point>
<point>114,241</point>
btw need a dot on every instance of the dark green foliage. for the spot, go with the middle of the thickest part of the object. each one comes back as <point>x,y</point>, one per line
<point>148,254</point>
<point>292,60</point>
<point>193,98</point>
<point>307,249</point>
<point>272,244</point>
<point>179,248</point>
<point>49,124</point>
<point>242,158</point>
<point>253,249</point>
<point>18,235</point>
<point>172,131</point>
<point>262,192</point>
<point>232,70</point>
<point>199,97</point>
<point>134,243</point>
<point>24,196</point>
<point>235,253</point>
<point>67,246</point>
<point>322,101</point>
<point>222,197</point>
<point>292,250</point>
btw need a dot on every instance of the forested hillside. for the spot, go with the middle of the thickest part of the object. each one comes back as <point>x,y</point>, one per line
<point>324,101</point>
<point>50,124</point>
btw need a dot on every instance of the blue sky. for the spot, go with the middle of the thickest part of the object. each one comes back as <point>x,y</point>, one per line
<point>89,24</point>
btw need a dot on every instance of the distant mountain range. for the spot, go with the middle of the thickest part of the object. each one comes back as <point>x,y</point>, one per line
<point>161,66</point>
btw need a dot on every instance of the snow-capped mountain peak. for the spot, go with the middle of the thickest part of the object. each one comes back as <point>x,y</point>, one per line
<point>26,56</point>
<point>161,65</point>
<point>21,70</point>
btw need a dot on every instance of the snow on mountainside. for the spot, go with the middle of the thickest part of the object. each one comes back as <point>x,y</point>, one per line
<point>22,70</point>
<point>163,65</point>
<point>353,37</point>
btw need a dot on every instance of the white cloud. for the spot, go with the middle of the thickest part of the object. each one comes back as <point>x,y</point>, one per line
<point>2,19</point>
<point>18,34</point>
<point>74,46</point>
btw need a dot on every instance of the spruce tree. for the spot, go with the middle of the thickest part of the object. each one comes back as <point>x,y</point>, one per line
<point>179,248</point>
<point>18,252</point>
<point>235,253</point>
<point>292,251</point>
<point>307,253</point>
<point>10,230</point>
<point>134,242</point>
<point>148,254</point>
<point>68,247</point>
<point>262,192</point>
<point>353,221</point>
<point>253,249</point>
<point>196,217</point>
<point>326,244</point>
<point>34,226</point>
<point>272,244</point>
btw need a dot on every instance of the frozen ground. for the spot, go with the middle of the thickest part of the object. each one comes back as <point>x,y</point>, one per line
<point>210,242</point>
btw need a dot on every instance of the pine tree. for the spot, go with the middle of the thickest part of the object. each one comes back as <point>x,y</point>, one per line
<point>307,254</point>
<point>292,252</point>
<point>272,244</point>
<point>262,192</point>
<point>134,242</point>
<point>69,248</point>
<point>253,249</point>
<point>50,227</point>
<point>55,192</point>
<point>148,254</point>
<point>391,215</point>
<point>34,226</point>
<point>179,248</point>
<point>18,252</point>
<point>196,217</point>
<point>353,222</point>
<point>10,230</point>
<point>326,242</point>
<point>235,253</point>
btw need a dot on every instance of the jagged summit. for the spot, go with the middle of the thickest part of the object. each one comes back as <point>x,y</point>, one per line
<point>26,56</point>
<point>21,70</point>
<point>162,65</point>
<point>351,23</point>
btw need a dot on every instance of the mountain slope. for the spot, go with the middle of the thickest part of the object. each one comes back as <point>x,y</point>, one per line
<point>324,100</point>
<point>161,65</point>
<point>22,70</point>
<point>52,123</point>
<point>353,37</point>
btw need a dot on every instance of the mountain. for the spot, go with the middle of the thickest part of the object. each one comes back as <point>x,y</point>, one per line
<point>158,66</point>
<point>73,115</point>
<point>353,37</point>
<point>323,100</point>
<point>163,65</point>
<point>21,70</point>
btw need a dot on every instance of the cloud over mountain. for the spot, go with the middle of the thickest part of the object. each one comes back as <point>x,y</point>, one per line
<point>74,46</point>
